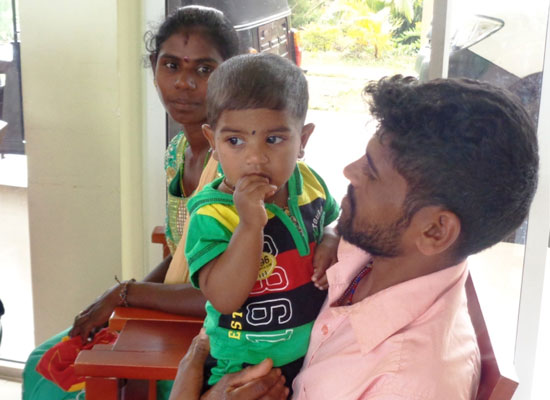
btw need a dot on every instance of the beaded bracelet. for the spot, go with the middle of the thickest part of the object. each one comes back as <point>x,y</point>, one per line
<point>123,294</point>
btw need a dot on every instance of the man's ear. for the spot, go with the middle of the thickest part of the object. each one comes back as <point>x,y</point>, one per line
<point>307,130</point>
<point>208,133</point>
<point>439,230</point>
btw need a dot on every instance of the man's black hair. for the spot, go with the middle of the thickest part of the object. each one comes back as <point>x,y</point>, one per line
<point>464,145</point>
<point>253,81</point>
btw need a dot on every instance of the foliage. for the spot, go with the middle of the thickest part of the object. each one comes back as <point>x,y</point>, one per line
<point>409,41</point>
<point>305,12</point>
<point>318,37</point>
<point>404,8</point>
<point>360,28</point>
<point>6,21</point>
<point>408,23</point>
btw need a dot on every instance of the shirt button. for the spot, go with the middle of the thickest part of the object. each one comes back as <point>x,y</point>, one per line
<point>324,330</point>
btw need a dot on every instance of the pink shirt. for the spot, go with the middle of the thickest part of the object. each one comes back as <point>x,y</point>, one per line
<point>414,340</point>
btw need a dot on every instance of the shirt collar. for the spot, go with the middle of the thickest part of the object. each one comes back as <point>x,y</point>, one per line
<point>390,309</point>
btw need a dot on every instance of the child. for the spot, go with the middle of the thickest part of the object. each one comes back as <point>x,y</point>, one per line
<point>253,232</point>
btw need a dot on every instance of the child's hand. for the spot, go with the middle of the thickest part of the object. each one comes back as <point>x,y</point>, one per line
<point>325,256</point>
<point>250,193</point>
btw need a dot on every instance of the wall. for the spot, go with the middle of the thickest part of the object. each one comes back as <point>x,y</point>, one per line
<point>154,144</point>
<point>81,76</point>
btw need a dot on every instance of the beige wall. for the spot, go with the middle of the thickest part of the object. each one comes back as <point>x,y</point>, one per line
<point>81,77</point>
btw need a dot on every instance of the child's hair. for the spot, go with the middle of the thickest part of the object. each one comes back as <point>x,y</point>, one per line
<point>206,19</point>
<point>252,81</point>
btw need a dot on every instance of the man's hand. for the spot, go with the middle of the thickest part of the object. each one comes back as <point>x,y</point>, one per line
<point>326,254</point>
<point>250,193</point>
<point>258,382</point>
<point>189,379</point>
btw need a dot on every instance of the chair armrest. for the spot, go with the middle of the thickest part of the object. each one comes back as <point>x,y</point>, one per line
<point>123,314</point>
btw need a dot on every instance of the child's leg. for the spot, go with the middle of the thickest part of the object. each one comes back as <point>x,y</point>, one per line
<point>215,369</point>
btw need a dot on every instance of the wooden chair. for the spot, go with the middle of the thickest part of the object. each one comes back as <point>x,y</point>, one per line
<point>493,384</point>
<point>157,236</point>
<point>149,348</point>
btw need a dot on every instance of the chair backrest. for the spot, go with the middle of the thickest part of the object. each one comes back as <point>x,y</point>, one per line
<point>493,385</point>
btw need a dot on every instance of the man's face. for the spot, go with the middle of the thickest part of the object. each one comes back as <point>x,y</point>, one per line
<point>372,212</point>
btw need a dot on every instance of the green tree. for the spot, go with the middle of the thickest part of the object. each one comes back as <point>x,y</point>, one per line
<point>305,12</point>
<point>6,21</point>
<point>369,28</point>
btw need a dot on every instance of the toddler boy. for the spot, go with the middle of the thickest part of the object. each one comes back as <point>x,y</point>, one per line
<point>253,233</point>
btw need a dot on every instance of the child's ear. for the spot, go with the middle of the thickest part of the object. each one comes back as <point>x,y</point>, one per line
<point>307,130</point>
<point>208,133</point>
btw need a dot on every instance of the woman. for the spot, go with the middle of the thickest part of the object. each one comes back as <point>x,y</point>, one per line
<point>187,47</point>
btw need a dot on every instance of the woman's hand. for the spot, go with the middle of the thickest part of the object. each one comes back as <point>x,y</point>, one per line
<point>96,315</point>
<point>326,254</point>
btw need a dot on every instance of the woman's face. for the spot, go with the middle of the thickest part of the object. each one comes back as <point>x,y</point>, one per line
<point>184,64</point>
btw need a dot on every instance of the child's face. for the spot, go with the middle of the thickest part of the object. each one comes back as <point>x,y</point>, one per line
<point>260,142</point>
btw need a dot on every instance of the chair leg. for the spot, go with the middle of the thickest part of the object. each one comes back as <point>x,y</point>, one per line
<point>102,388</point>
<point>152,390</point>
<point>135,389</point>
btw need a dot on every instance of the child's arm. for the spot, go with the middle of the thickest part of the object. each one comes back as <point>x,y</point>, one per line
<point>227,280</point>
<point>325,255</point>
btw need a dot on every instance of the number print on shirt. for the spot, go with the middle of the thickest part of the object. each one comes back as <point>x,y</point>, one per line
<point>271,277</point>
<point>269,337</point>
<point>263,312</point>
<point>235,324</point>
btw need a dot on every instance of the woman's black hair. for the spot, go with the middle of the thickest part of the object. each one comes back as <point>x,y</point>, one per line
<point>210,21</point>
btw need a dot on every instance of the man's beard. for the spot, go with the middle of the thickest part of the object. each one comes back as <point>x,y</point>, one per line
<point>378,240</point>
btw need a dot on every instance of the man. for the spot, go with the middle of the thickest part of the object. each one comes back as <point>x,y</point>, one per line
<point>451,170</point>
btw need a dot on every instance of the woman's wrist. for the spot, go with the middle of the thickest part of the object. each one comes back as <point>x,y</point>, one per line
<point>123,292</point>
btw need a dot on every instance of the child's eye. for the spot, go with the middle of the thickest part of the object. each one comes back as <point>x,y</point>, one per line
<point>274,139</point>
<point>235,141</point>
